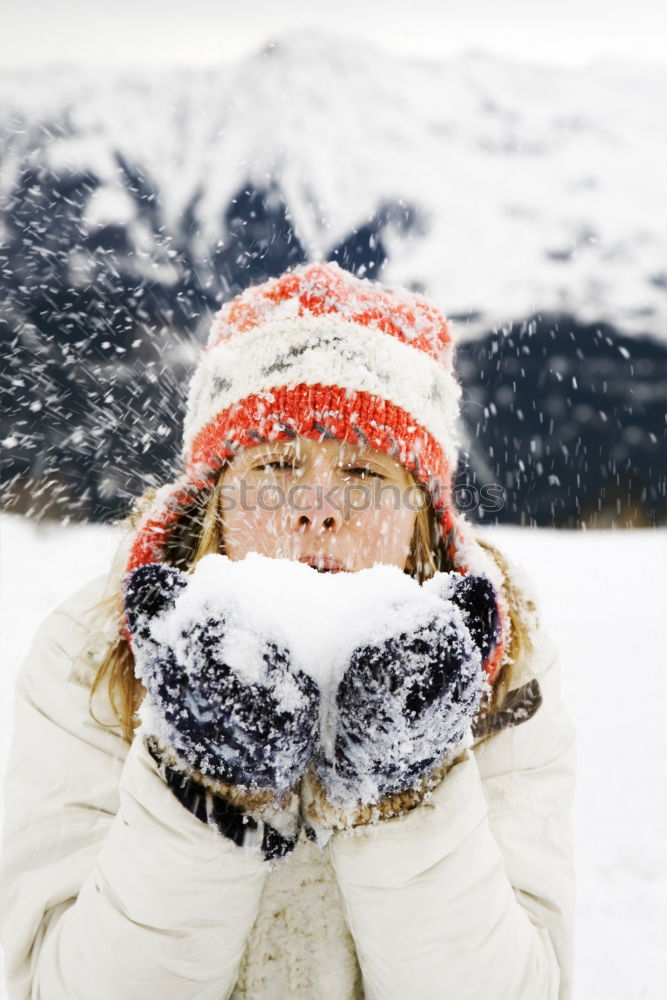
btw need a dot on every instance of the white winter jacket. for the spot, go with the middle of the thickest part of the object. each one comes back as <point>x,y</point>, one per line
<point>112,890</point>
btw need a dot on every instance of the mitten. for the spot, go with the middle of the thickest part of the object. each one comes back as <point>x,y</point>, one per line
<point>404,706</point>
<point>229,717</point>
<point>476,598</point>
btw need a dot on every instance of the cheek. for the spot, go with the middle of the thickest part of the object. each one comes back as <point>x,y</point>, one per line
<point>388,531</point>
<point>251,522</point>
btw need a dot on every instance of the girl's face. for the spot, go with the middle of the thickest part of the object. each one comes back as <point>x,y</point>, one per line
<point>336,505</point>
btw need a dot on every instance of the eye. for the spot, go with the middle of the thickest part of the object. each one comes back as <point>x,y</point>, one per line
<point>280,463</point>
<point>362,471</point>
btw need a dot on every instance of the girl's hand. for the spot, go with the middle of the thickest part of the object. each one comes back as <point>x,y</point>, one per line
<point>404,705</point>
<point>232,709</point>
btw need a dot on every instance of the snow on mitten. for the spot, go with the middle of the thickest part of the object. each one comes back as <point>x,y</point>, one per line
<point>476,598</point>
<point>230,719</point>
<point>404,708</point>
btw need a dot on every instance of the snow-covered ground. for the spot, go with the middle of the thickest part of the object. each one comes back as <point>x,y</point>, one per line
<point>604,595</point>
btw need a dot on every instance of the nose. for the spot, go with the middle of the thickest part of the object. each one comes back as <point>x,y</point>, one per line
<point>316,503</point>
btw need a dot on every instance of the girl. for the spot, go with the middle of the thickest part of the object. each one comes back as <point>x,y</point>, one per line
<point>177,823</point>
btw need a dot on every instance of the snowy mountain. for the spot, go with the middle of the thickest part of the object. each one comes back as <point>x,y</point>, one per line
<point>524,187</point>
<point>525,201</point>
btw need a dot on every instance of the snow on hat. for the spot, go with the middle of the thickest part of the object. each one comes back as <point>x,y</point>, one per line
<point>321,353</point>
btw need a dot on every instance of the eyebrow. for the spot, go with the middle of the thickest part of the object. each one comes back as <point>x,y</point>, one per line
<point>348,453</point>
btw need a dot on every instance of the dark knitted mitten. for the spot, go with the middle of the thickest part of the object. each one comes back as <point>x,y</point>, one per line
<point>224,709</point>
<point>476,598</point>
<point>404,705</point>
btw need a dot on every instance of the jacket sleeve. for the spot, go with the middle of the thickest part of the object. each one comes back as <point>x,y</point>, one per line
<point>471,894</point>
<point>110,887</point>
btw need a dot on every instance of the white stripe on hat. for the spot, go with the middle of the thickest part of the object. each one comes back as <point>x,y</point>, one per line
<point>326,350</point>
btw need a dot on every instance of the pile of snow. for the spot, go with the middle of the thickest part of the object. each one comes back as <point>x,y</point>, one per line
<point>603,596</point>
<point>320,617</point>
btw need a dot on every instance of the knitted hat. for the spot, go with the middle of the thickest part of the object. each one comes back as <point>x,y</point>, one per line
<point>320,353</point>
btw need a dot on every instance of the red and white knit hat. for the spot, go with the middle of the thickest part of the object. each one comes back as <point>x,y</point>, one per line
<point>320,353</point>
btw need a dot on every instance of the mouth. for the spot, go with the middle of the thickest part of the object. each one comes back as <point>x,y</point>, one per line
<point>323,564</point>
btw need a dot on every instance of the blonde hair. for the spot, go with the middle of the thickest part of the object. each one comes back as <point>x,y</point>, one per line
<point>199,532</point>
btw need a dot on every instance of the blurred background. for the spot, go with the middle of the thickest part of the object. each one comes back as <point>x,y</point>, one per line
<point>155,161</point>
<point>157,158</point>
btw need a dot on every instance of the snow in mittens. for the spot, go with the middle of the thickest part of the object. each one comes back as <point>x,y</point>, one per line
<point>320,618</point>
